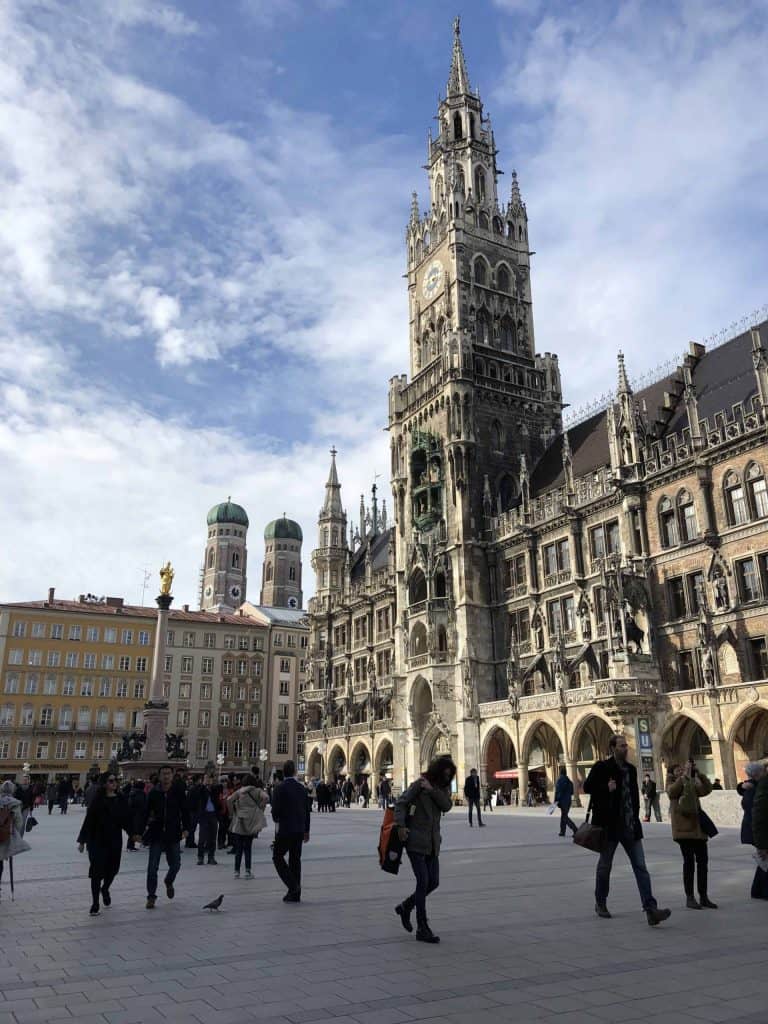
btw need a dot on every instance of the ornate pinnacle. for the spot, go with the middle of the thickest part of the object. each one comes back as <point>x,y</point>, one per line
<point>458,80</point>
<point>514,192</point>
<point>414,208</point>
<point>624,388</point>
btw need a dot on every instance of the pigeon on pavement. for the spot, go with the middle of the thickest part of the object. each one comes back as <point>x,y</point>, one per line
<point>214,904</point>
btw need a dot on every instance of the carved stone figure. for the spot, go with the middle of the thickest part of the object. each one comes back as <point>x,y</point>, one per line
<point>174,745</point>
<point>708,668</point>
<point>722,599</point>
<point>166,578</point>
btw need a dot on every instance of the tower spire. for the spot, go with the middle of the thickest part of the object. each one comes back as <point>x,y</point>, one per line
<point>624,388</point>
<point>332,504</point>
<point>458,80</point>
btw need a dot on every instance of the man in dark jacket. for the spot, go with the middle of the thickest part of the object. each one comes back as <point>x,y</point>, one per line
<point>564,799</point>
<point>650,798</point>
<point>204,801</point>
<point>615,803</point>
<point>167,823</point>
<point>472,794</point>
<point>290,811</point>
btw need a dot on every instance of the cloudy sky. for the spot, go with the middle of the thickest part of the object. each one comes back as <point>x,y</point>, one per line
<point>201,239</point>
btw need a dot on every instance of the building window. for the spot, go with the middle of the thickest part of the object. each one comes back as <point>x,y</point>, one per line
<point>242,667</point>
<point>83,719</point>
<point>98,749</point>
<point>61,749</point>
<point>50,686</point>
<point>185,691</point>
<point>54,659</point>
<point>168,663</point>
<point>667,524</point>
<point>229,642</point>
<point>92,634</point>
<point>258,643</point>
<point>243,643</point>
<point>758,658</point>
<point>35,658</point>
<point>182,717</point>
<point>187,665</point>
<point>22,750</point>
<point>170,638</point>
<point>38,629</point>
<point>226,692</point>
<point>285,665</point>
<point>188,640</point>
<point>143,638</point>
<point>68,687</point>
<point>254,719</point>
<point>282,743</point>
<point>71,659</point>
<point>75,632</point>
<point>86,687</point>
<point>15,656</point>
<point>124,663</point>
<point>81,749</point>
<point>237,750</point>
<point>127,636</point>
<point>695,591</point>
<point>226,666</point>
<point>735,500</point>
<point>687,670</point>
<point>31,683</point>
<point>207,666</point>
<point>204,719</point>
<point>282,711</point>
<point>689,528</point>
<point>240,719</point>
<point>209,641</point>
<point>46,716</point>
<point>224,747</point>
<point>122,688</point>
<point>202,748</point>
<point>20,629</point>
<point>110,635</point>
<point>206,691</point>
<point>676,598</point>
<point>89,660</point>
<point>57,631</point>
<point>5,750</point>
<point>284,688</point>
<point>138,691</point>
<point>141,664</point>
<point>7,714</point>
<point>515,577</point>
<point>746,576</point>
<point>41,753</point>
<point>102,718</point>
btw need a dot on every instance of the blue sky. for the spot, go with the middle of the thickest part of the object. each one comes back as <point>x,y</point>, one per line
<point>201,232</point>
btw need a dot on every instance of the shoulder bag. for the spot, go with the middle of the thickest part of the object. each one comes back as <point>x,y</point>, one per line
<point>591,837</point>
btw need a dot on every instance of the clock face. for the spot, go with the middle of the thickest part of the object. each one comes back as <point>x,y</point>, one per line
<point>234,591</point>
<point>292,602</point>
<point>208,591</point>
<point>432,279</point>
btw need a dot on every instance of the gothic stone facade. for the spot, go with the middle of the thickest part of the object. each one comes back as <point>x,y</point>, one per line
<point>539,589</point>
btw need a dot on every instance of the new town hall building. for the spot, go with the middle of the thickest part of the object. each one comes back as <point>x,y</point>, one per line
<point>539,588</point>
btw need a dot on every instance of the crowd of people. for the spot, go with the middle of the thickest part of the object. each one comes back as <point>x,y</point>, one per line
<point>212,815</point>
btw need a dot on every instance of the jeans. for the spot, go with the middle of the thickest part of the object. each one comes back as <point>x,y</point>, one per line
<point>426,868</point>
<point>173,857</point>
<point>206,838</point>
<point>290,873</point>
<point>243,846</point>
<point>474,802</point>
<point>634,850</point>
<point>652,804</point>
<point>695,862</point>
<point>565,820</point>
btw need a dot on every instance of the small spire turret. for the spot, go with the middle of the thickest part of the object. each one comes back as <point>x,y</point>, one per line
<point>458,79</point>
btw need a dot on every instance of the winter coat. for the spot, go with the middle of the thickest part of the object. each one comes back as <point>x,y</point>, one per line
<point>687,826</point>
<point>760,815</point>
<point>246,811</point>
<point>472,787</point>
<point>167,815</point>
<point>649,790</point>
<point>16,844</point>
<point>607,806</point>
<point>137,806</point>
<point>564,793</point>
<point>50,792</point>
<point>291,807</point>
<point>746,791</point>
<point>105,821</point>
<point>420,810</point>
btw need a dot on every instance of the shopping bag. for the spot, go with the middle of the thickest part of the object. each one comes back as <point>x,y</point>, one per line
<point>390,844</point>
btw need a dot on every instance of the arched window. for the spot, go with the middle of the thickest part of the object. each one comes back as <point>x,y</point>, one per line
<point>291,572</point>
<point>735,500</point>
<point>439,189</point>
<point>497,438</point>
<point>498,227</point>
<point>507,335</point>
<point>520,232</point>
<point>483,220</point>
<point>235,559</point>
<point>211,557</point>
<point>502,279</point>
<point>493,373</point>
<point>439,584</point>
<point>689,527</point>
<point>325,537</point>
<point>480,367</point>
<point>483,328</point>
<point>427,240</point>
<point>481,272</point>
<point>457,132</point>
<point>334,538</point>
<point>268,573</point>
<point>472,126</point>
<point>758,493</point>
<point>460,182</point>
<point>667,524</point>
<point>417,587</point>
<point>479,183</point>
<point>442,639</point>
<point>507,492</point>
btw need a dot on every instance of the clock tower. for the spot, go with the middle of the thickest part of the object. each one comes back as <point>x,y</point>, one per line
<point>480,407</point>
<point>223,577</point>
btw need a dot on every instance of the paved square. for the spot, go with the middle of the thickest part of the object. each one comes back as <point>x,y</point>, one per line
<point>520,941</point>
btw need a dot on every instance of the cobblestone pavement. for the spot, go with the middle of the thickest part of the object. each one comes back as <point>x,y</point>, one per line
<point>520,941</point>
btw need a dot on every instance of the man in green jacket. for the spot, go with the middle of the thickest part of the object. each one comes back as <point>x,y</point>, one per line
<point>417,814</point>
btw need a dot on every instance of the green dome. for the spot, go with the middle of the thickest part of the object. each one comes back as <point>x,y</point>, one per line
<point>283,529</point>
<point>228,512</point>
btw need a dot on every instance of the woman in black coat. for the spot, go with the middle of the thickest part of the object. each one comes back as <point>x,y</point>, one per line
<point>105,821</point>
<point>754,772</point>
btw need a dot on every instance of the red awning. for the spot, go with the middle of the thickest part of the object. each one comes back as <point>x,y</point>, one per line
<point>507,773</point>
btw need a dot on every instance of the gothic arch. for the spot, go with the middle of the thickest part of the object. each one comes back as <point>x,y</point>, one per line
<point>498,736</point>
<point>748,736</point>
<point>360,761</point>
<point>384,755</point>
<point>539,726</point>
<point>481,270</point>
<point>337,760</point>
<point>679,733</point>
<point>597,730</point>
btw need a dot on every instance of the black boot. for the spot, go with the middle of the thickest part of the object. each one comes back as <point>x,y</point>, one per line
<point>405,916</point>
<point>425,934</point>
<point>602,910</point>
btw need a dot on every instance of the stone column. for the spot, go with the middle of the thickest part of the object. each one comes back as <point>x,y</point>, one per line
<point>570,767</point>
<point>522,781</point>
<point>725,768</point>
<point>156,708</point>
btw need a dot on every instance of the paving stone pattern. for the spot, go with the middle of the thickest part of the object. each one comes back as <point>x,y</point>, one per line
<point>520,941</point>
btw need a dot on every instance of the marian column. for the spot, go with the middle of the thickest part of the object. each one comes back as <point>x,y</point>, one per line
<point>154,752</point>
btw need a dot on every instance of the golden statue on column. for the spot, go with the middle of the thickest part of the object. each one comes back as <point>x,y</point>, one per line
<point>166,578</point>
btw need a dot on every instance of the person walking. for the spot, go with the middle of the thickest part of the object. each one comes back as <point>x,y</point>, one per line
<point>615,802</point>
<point>472,795</point>
<point>167,823</point>
<point>63,793</point>
<point>25,793</point>
<point>291,811</point>
<point>564,799</point>
<point>205,804</point>
<point>50,796</point>
<point>348,790</point>
<point>685,787</point>
<point>418,813</point>
<point>365,792</point>
<point>488,798</point>
<point>107,817</point>
<point>246,814</point>
<point>12,841</point>
<point>650,798</point>
<point>754,771</point>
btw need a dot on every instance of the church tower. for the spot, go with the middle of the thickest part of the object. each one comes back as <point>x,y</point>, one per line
<point>330,556</point>
<point>224,580</point>
<point>281,573</point>
<point>480,404</point>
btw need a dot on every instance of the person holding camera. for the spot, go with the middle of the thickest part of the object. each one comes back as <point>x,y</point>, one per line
<point>685,787</point>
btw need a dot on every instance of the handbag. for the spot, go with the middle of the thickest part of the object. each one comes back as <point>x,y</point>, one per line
<point>688,803</point>
<point>390,844</point>
<point>707,826</point>
<point>31,822</point>
<point>591,837</point>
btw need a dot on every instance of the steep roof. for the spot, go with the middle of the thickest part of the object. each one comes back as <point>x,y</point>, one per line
<point>379,546</point>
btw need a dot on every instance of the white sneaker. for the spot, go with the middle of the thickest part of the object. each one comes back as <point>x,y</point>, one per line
<point>237,874</point>
<point>248,874</point>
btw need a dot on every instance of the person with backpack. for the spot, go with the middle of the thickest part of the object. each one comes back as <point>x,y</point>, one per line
<point>107,817</point>
<point>247,819</point>
<point>418,812</point>
<point>12,841</point>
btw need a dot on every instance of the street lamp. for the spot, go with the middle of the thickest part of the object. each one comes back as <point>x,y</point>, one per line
<point>404,748</point>
<point>263,758</point>
<point>322,746</point>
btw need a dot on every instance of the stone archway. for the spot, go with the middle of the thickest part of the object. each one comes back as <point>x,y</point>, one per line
<point>589,744</point>
<point>337,762</point>
<point>385,758</point>
<point>683,737</point>
<point>543,754</point>
<point>749,737</point>
<point>314,764</point>
<point>499,755</point>
<point>360,766</point>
